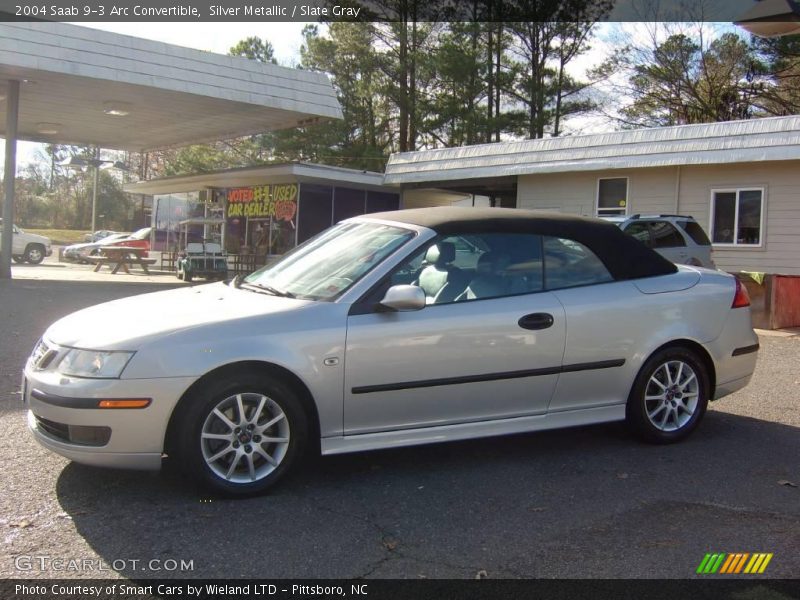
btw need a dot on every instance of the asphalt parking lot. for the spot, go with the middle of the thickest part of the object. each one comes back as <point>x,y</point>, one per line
<point>586,502</point>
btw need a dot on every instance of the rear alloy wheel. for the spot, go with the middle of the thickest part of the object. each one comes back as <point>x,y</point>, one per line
<point>34,254</point>
<point>243,436</point>
<point>670,396</point>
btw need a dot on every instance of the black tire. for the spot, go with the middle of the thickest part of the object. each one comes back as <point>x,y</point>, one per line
<point>197,416</point>
<point>669,414</point>
<point>17,258</point>
<point>34,253</point>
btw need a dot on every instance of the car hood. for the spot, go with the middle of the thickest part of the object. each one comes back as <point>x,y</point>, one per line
<point>128,323</point>
<point>81,246</point>
<point>35,237</point>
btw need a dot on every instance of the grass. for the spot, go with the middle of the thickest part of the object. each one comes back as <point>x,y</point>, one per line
<point>60,237</point>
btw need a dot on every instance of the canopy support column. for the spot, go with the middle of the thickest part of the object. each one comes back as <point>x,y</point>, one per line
<point>9,176</point>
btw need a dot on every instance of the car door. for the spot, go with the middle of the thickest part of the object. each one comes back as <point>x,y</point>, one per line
<point>494,352</point>
<point>669,242</point>
<point>14,239</point>
<point>600,341</point>
<point>17,243</point>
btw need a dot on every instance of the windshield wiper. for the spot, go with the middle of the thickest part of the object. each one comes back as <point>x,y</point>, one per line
<point>267,288</point>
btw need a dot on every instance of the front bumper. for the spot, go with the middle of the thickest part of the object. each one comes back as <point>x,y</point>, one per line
<point>48,252</point>
<point>61,404</point>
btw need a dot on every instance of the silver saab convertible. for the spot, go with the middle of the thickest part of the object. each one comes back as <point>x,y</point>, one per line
<point>389,330</point>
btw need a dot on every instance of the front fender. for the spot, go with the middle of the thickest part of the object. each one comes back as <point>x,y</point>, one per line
<point>299,344</point>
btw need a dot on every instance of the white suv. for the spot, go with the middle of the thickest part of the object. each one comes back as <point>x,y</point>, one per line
<point>678,238</point>
<point>28,246</point>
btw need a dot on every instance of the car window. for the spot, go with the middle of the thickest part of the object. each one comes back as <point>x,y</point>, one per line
<point>665,235</point>
<point>568,263</point>
<point>640,231</point>
<point>474,267</point>
<point>331,262</point>
<point>695,232</point>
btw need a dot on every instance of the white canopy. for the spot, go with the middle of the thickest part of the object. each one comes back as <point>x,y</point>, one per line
<point>75,80</point>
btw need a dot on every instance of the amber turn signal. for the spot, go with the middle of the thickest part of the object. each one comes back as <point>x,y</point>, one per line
<point>125,403</point>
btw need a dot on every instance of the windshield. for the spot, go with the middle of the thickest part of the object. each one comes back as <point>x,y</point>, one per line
<point>328,264</point>
<point>140,234</point>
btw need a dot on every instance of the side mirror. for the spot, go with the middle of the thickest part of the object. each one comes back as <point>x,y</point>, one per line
<point>404,298</point>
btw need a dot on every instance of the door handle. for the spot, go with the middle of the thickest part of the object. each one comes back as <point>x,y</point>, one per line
<point>536,321</point>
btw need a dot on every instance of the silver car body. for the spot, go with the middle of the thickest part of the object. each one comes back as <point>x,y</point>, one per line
<point>80,252</point>
<point>387,379</point>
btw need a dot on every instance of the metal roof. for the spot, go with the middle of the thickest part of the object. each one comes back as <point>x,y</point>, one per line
<point>776,138</point>
<point>263,174</point>
<point>71,76</point>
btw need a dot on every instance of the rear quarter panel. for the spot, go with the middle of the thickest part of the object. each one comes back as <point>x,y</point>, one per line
<point>618,321</point>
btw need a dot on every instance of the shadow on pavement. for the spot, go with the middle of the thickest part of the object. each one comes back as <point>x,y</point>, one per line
<point>587,502</point>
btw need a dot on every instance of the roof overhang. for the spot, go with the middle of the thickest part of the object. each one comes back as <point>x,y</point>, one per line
<point>754,140</point>
<point>772,18</point>
<point>248,176</point>
<point>73,77</point>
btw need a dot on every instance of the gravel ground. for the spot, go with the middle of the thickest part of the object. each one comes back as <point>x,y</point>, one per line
<point>585,502</point>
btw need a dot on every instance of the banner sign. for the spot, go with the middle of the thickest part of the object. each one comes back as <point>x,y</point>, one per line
<point>380,11</point>
<point>278,201</point>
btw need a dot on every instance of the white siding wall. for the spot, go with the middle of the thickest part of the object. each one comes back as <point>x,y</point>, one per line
<point>653,191</point>
<point>781,250</point>
<point>649,190</point>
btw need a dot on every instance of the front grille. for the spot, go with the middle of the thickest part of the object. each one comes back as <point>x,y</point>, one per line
<point>82,435</point>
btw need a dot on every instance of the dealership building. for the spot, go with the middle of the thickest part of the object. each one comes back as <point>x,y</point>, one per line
<point>268,210</point>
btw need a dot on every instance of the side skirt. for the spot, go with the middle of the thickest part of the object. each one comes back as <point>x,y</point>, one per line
<point>464,431</point>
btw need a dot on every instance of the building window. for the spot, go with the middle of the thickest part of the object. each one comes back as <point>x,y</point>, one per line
<point>612,196</point>
<point>736,217</point>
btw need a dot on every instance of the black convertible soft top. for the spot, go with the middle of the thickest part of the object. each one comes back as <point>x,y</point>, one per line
<point>624,256</point>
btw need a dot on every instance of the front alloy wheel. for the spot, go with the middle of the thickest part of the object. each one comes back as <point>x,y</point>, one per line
<point>245,437</point>
<point>240,434</point>
<point>669,397</point>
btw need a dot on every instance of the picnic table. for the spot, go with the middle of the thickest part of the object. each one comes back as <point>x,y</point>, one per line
<point>122,257</point>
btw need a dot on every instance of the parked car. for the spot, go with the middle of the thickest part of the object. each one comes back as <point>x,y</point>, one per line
<point>138,239</point>
<point>98,235</point>
<point>28,247</point>
<point>81,252</point>
<point>678,238</point>
<point>369,336</point>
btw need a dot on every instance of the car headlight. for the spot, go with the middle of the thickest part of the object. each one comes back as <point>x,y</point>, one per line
<point>94,363</point>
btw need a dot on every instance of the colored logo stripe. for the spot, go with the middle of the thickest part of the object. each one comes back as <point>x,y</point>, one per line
<point>758,563</point>
<point>722,563</point>
<point>734,563</point>
<point>711,562</point>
